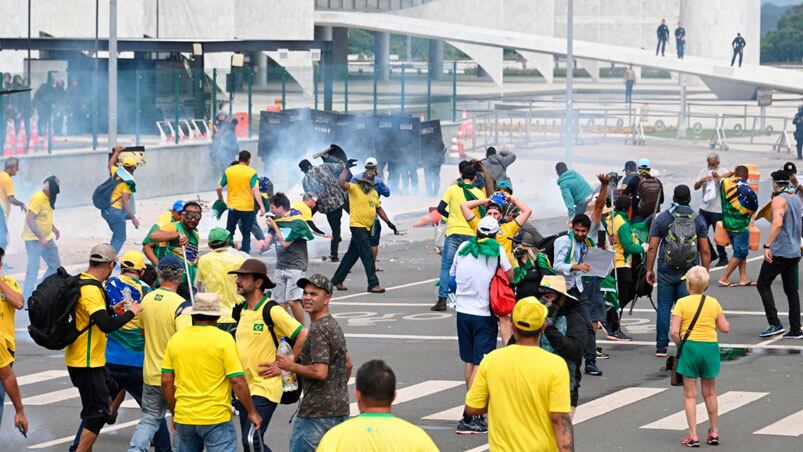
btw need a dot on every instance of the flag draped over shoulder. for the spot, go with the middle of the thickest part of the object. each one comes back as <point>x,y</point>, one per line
<point>294,227</point>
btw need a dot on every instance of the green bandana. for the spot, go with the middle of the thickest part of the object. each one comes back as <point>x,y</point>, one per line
<point>486,247</point>
<point>469,195</point>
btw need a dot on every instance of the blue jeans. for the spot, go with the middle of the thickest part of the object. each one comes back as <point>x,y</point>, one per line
<point>740,242</point>
<point>308,431</point>
<point>49,253</point>
<point>670,289</point>
<point>3,230</point>
<point>245,219</point>
<point>265,408</point>
<point>450,245</point>
<point>129,378</point>
<point>154,408</point>
<point>213,438</point>
<point>115,218</point>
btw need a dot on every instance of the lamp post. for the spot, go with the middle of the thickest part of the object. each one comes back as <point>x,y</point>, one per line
<point>568,121</point>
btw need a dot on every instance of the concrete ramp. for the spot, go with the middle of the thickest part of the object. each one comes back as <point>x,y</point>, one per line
<point>748,76</point>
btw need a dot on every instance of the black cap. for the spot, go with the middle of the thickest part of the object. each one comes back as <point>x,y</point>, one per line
<point>780,176</point>
<point>682,195</point>
<point>631,165</point>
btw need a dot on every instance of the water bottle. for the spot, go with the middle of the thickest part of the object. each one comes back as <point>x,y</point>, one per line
<point>289,379</point>
<point>126,299</point>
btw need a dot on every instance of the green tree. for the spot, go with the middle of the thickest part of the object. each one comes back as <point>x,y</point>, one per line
<point>785,44</point>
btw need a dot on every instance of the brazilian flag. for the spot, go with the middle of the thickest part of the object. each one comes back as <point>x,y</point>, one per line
<point>293,227</point>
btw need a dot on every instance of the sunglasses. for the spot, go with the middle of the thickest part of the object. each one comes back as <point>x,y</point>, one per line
<point>193,215</point>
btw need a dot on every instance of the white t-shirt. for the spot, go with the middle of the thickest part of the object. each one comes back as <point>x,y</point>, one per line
<point>714,205</point>
<point>473,276</point>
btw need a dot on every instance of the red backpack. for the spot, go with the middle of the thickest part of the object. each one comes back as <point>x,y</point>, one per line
<point>503,299</point>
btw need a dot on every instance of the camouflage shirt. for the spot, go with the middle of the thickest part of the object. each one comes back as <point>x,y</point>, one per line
<point>322,180</point>
<point>325,344</point>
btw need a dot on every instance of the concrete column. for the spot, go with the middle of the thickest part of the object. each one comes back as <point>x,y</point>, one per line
<point>436,58</point>
<point>340,49</point>
<point>323,33</point>
<point>261,60</point>
<point>382,56</point>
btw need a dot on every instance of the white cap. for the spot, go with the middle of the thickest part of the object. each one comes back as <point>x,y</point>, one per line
<point>370,161</point>
<point>488,226</point>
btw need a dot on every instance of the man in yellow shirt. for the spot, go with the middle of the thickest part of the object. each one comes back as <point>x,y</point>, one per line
<point>164,313</point>
<point>39,232</point>
<point>8,383</point>
<point>242,185</point>
<point>213,274</point>
<point>10,302</point>
<point>364,204</point>
<point>524,389</point>
<point>199,371</point>
<point>261,322</point>
<point>7,197</point>
<point>376,429</point>
<point>122,204</point>
<point>86,356</point>
<point>457,228</point>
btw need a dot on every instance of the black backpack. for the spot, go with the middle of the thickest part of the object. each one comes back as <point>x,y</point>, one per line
<point>548,245</point>
<point>288,397</point>
<point>51,309</point>
<point>102,196</point>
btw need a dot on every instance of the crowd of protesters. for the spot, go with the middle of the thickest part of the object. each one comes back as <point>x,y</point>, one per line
<point>181,329</point>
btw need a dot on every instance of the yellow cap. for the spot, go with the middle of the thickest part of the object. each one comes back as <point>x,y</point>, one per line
<point>130,160</point>
<point>529,314</point>
<point>133,260</point>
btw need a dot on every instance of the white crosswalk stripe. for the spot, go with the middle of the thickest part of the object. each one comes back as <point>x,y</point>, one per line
<point>729,401</point>
<point>51,397</point>
<point>416,391</point>
<point>791,425</point>
<point>39,377</point>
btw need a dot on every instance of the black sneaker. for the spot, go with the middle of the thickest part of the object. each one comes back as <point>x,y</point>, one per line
<point>793,335</point>
<point>592,369</point>
<point>334,259</point>
<point>440,305</point>
<point>473,427</point>
<point>601,355</point>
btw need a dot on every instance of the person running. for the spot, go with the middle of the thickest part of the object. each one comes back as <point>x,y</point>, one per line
<point>376,429</point>
<point>200,371</point>
<point>242,191</point>
<point>626,246</point>
<point>698,351</point>
<point>565,332</point>
<point>164,314</point>
<point>663,36</point>
<point>7,198</point>
<point>8,383</point>
<point>646,193</point>
<point>85,358</point>
<point>524,389</point>
<point>39,233</point>
<point>365,206</point>
<point>736,221</point>
<point>153,250</point>
<point>680,40</point>
<point>322,180</point>
<point>324,367</point>
<point>257,345</point>
<point>121,205</point>
<point>497,162</point>
<point>738,45</point>
<point>575,190</point>
<point>630,82</point>
<point>709,182</point>
<point>182,239</point>
<point>670,233</point>
<point>213,274</point>
<point>474,266</point>
<point>11,301</point>
<point>781,257</point>
<point>289,233</point>
<point>570,252</point>
<point>371,171</point>
<point>457,228</point>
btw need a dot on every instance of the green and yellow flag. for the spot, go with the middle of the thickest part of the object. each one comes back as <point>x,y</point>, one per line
<point>293,227</point>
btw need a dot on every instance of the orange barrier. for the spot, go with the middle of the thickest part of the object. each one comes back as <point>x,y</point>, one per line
<point>432,219</point>
<point>241,130</point>
<point>753,177</point>
<point>755,236</point>
<point>721,235</point>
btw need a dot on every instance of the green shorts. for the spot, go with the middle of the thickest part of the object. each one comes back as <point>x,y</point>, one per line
<point>699,360</point>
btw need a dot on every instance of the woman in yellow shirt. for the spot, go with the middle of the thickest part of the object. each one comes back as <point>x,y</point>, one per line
<point>700,357</point>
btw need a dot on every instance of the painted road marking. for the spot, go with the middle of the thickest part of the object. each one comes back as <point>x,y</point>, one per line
<point>51,397</point>
<point>610,402</point>
<point>402,286</point>
<point>452,414</point>
<point>39,377</point>
<point>789,426</point>
<point>416,391</point>
<point>69,439</point>
<point>729,401</point>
